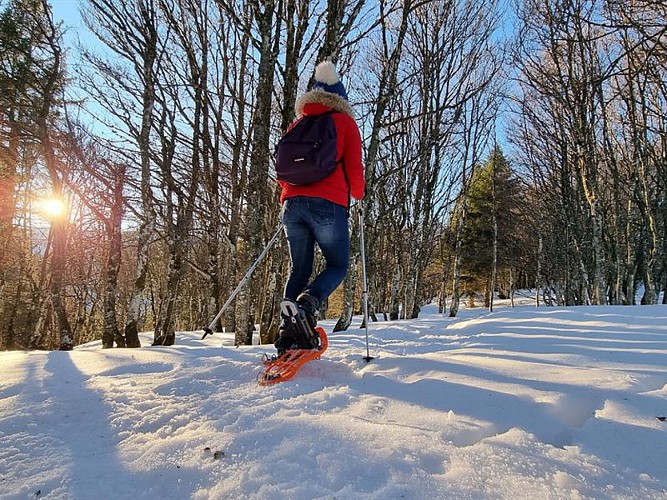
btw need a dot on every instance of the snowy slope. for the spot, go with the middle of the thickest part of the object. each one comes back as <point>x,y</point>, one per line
<point>521,403</point>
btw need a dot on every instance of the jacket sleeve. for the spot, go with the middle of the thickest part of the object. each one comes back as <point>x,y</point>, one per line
<point>354,168</point>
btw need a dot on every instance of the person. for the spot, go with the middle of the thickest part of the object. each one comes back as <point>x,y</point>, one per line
<point>318,212</point>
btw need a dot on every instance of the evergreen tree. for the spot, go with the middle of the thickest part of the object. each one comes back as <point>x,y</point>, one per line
<point>32,79</point>
<point>492,223</point>
<point>18,69</point>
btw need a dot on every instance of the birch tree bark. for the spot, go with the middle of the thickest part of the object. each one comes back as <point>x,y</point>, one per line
<point>258,176</point>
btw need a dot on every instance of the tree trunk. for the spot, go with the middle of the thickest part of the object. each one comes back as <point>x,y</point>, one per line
<point>458,247</point>
<point>394,302</point>
<point>258,187</point>
<point>65,337</point>
<point>111,332</point>
<point>349,289</point>
<point>147,69</point>
<point>494,253</point>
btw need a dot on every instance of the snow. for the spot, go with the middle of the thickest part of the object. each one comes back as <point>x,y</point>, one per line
<point>521,403</point>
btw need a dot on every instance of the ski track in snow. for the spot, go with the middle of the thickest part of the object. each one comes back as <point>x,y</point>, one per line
<point>520,403</point>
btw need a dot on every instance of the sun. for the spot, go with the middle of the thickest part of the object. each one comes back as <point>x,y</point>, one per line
<point>52,207</point>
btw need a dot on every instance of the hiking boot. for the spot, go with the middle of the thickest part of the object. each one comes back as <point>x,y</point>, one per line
<point>309,304</point>
<point>287,339</point>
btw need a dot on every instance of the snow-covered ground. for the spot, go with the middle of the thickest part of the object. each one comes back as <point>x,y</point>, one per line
<point>523,403</point>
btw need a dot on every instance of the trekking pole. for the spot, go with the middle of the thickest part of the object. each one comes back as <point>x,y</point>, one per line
<point>364,292</point>
<point>209,329</point>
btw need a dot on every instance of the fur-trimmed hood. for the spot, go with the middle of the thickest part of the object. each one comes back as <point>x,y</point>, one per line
<point>329,99</point>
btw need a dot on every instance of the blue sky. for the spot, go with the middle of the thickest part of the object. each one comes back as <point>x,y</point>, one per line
<point>67,11</point>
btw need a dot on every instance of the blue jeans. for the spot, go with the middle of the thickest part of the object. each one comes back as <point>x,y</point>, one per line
<point>316,220</point>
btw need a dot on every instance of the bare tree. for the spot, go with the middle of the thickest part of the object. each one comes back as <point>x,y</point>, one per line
<point>50,87</point>
<point>99,183</point>
<point>590,133</point>
<point>130,32</point>
<point>391,49</point>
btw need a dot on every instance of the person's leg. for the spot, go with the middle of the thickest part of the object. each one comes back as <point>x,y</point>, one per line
<point>329,225</point>
<point>301,244</point>
<point>302,248</point>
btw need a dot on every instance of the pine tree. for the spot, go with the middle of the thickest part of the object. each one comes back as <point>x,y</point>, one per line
<point>491,223</point>
<point>32,81</point>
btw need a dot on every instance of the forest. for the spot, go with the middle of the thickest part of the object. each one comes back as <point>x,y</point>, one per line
<point>507,145</point>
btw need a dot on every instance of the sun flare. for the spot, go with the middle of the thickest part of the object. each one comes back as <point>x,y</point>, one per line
<point>52,207</point>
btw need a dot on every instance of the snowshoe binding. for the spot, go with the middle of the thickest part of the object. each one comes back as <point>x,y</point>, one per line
<point>299,342</point>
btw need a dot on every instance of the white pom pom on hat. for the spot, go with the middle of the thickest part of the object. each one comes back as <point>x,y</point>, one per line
<point>328,80</point>
<point>325,72</point>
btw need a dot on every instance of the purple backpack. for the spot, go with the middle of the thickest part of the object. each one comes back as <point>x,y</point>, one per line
<point>307,152</point>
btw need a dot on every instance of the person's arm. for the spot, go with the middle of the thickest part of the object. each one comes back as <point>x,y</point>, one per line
<point>354,168</point>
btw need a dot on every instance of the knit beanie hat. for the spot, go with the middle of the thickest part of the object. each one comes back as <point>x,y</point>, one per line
<point>327,79</point>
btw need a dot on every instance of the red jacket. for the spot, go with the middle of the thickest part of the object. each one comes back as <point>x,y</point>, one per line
<point>334,187</point>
